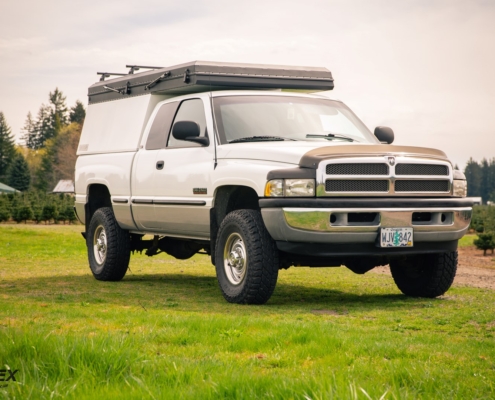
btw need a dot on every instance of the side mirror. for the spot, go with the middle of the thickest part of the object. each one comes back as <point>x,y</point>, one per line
<point>384,134</point>
<point>189,130</point>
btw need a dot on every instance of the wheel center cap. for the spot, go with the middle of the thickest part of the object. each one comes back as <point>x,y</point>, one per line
<point>235,258</point>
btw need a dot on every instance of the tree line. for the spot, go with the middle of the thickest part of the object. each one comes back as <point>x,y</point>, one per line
<point>37,206</point>
<point>481,179</point>
<point>48,153</point>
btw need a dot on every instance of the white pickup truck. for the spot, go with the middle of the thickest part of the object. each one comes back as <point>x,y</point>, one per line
<point>234,161</point>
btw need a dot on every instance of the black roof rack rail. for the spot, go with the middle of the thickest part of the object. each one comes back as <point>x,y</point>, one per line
<point>108,74</point>
<point>138,67</point>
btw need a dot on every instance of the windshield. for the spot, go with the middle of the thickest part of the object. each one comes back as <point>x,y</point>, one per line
<point>259,118</point>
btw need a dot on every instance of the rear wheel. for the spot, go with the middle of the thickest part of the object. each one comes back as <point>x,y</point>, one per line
<point>246,258</point>
<point>428,275</point>
<point>108,246</point>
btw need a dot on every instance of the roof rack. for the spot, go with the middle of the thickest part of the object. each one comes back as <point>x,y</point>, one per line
<point>203,76</point>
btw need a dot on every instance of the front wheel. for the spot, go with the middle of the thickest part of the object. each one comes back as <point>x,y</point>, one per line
<point>429,275</point>
<point>108,246</point>
<point>246,258</point>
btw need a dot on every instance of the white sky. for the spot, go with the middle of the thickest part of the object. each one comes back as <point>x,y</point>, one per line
<point>425,68</point>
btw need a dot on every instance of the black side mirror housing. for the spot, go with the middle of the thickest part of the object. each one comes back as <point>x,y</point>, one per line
<point>190,131</point>
<point>384,134</point>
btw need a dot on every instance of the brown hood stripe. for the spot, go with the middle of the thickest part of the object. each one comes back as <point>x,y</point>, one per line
<point>313,157</point>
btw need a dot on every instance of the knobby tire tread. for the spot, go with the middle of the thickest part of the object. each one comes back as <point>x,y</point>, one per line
<point>263,260</point>
<point>435,279</point>
<point>118,246</point>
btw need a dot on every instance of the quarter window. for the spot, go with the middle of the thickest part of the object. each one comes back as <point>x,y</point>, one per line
<point>160,129</point>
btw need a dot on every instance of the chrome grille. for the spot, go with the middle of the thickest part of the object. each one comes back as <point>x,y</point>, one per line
<point>356,186</point>
<point>422,186</point>
<point>357,169</point>
<point>421,169</point>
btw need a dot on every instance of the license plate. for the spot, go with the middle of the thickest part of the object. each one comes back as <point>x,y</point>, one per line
<point>396,237</point>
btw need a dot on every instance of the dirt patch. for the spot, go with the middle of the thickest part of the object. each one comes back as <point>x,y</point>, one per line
<point>473,270</point>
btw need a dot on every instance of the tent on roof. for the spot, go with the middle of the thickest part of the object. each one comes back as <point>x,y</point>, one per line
<point>7,189</point>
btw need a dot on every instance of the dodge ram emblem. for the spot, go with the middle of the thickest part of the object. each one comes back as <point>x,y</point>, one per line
<point>391,161</point>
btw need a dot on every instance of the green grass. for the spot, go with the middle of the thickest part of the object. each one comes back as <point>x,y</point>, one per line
<point>165,331</point>
<point>467,240</point>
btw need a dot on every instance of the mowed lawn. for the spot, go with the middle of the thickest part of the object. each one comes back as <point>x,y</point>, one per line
<point>165,331</point>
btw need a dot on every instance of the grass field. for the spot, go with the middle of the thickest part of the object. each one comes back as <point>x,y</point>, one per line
<point>165,331</point>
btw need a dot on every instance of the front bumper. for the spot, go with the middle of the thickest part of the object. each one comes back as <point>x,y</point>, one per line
<point>340,221</point>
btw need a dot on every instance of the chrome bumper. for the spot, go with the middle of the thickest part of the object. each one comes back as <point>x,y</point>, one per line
<point>344,225</point>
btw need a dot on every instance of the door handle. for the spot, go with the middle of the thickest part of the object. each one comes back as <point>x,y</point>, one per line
<point>160,164</point>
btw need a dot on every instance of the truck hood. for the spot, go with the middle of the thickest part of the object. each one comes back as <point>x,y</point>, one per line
<point>309,154</point>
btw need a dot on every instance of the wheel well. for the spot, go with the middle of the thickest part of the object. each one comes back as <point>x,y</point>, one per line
<point>228,199</point>
<point>98,197</point>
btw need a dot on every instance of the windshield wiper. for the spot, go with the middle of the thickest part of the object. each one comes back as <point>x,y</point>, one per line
<point>260,139</point>
<point>331,136</point>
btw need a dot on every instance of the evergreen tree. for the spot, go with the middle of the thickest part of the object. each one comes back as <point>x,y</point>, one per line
<point>473,177</point>
<point>59,108</point>
<point>24,213</point>
<point>485,180</point>
<point>30,136</point>
<point>49,121</point>
<point>77,113</point>
<point>4,208</point>
<point>7,147</point>
<point>45,179</point>
<point>49,212</point>
<point>18,175</point>
<point>43,127</point>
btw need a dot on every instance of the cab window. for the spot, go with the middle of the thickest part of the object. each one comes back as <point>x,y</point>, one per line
<point>189,110</point>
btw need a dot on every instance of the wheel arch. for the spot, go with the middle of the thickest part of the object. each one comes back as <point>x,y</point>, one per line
<point>98,196</point>
<point>228,198</point>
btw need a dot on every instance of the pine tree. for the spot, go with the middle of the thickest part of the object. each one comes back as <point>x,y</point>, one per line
<point>43,127</point>
<point>30,135</point>
<point>485,241</point>
<point>45,178</point>
<point>473,177</point>
<point>7,147</point>
<point>4,208</point>
<point>18,175</point>
<point>49,212</point>
<point>24,213</point>
<point>77,113</point>
<point>59,108</point>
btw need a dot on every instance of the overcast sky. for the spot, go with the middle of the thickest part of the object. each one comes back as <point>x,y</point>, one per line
<point>424,68</point>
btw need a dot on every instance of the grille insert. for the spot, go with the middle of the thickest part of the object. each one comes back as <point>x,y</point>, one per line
<point>357,169</point>
<point>421,169</point>
<point>422,186</point>
<point>356,186</point>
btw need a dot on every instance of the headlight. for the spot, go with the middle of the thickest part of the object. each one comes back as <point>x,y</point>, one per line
<point>290,188</point>
<point>460,188</point>
<point>299,187</point>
